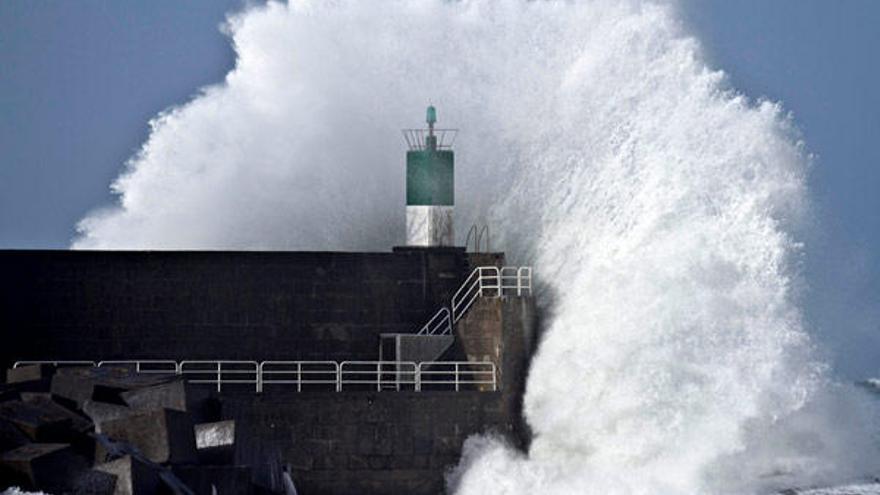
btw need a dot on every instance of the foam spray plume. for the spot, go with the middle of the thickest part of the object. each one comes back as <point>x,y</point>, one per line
<point>659,208</point>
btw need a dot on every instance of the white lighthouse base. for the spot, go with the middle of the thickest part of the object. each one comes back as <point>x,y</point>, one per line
<point>428,226</point>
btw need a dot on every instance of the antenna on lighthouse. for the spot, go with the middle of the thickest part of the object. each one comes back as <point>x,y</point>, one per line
<point>431,119</point>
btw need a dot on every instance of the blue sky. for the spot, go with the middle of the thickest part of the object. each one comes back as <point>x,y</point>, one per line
<point>80,80</point>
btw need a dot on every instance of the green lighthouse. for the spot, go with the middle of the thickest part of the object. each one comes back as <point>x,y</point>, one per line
<point>430,184</point>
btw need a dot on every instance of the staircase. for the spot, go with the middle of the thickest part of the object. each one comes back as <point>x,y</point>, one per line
<point>437,335</point>
<point>484,281</point>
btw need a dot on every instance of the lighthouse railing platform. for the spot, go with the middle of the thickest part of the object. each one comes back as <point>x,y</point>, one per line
<point>415,138</point>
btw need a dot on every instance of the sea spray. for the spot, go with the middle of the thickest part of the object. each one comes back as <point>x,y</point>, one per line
<point>659,207</point>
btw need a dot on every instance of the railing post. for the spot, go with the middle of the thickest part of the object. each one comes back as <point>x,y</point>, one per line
<point>219,375</point>
<point>339,377</point>
<point>259,371</point>
<point>418,377</point>
<point>456,377</point>
<point>299,381</point>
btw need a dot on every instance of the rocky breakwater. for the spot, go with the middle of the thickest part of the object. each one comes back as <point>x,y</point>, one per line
<point>111,430</point>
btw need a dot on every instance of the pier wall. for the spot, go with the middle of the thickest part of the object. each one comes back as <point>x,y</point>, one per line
<point>216,305</point>
<point>361,442</point>
<point>71,305</point>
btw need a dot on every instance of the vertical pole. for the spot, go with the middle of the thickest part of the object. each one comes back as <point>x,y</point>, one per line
<point>339,377</point>
<point>299,377</point>
<point>258,369</point>
<point>218,376</point>
<point>456,377</point>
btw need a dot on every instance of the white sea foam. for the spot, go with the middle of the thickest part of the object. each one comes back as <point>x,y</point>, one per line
<point>660,210</point>
<point>18,491</point>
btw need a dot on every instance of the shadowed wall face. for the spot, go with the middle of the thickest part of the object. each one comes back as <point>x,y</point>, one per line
<point>217,305</point>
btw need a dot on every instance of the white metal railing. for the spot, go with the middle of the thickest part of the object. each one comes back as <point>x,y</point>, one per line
<point>439,324</point>
<point>221,373</point>
<point>314,375</point>
<point>57,364</point>
<point>383,375</point>
<point>300,373</point>
<point>146,366</point>
<point>483,281</point>
<point>457,374</point>
<point>515,280</point>
<point>490,281</point>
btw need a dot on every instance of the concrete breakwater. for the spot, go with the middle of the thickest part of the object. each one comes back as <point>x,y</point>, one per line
<point>182,307</point>
<point>111,430</point>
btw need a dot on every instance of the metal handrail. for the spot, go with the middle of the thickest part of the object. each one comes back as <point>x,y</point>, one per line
<point>523,280</point>
<point>56,364</point>
<point>415,138</point>
<point>139,365</point>
<point>480,373</point>
<point>373,373</point>
<point>443,325</point>
<point>490,281</point>
<point>470,289</point>
<point>218,369</point>
<point>301,374</point>
<point>477,235</point>
<point>384,375</point>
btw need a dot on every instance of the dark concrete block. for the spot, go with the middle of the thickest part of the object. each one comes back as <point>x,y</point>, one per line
<point>9,392</point>
<point>74,384</point>
<point>34,396</point>
<point>46,466</point>
<point>11,437</point>
<point>133,477</point>
<point>41,385</point>
<point>38,423</point>
<point>171,395</point>
<point>232,480</point>
<point>106,384</point>
<point>80,427</point>
<point>78,423</point>
<point>101,412</point>
<point>94,482</point>
<point>162,435</point>
<point>24,373</point>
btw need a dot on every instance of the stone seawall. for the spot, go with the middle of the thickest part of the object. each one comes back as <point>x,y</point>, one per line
<point>217,305</point>
<point>361,442</point>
